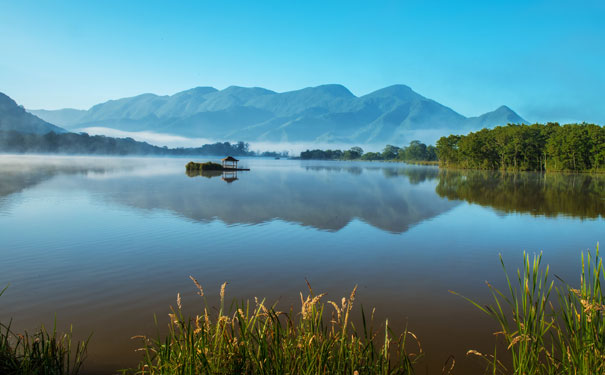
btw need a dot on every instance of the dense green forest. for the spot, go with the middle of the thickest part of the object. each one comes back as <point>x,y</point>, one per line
<point>538,147</point>
<point>72,143</point>
<point>416,151</point>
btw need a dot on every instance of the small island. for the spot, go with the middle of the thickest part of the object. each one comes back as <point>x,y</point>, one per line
<point>228,164</point>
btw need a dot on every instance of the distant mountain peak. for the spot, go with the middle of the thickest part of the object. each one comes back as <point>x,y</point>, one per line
<point>146,95</point>
<point>199,90</point>
<point>247,89</point>
<point>399,91</point>
<point>500,116</point>
<point>398,87</point>
<point>504,108</point>
<point>334,89</point>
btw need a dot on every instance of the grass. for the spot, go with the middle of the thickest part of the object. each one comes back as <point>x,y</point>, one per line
<point>544,339</point>
<point>548,327</point>
<point>42,352</point>
<point>253,338</point>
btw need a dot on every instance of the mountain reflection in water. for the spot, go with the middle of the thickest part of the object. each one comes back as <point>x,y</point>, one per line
<point>325,198</point>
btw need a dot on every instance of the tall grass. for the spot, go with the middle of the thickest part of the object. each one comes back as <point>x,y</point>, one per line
<point>253,338</point>
<point>42,352</point>
<point>544,339</point>
<point>547,328</point>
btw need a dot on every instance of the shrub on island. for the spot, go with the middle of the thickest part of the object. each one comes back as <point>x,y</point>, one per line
<point>208,166</point>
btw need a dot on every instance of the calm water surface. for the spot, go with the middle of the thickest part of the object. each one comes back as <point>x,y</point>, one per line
<point>106,243</point>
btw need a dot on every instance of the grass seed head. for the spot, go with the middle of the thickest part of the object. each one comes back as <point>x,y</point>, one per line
<point>199,287</point>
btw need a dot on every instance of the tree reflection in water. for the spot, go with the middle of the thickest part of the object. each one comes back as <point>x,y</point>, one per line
<point>539,194</point>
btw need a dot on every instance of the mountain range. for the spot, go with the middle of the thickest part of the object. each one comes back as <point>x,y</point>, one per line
<point>14,118</point>
<point>326,113</point>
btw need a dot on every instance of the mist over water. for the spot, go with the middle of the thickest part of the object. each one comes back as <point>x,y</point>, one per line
<point>429,136</point>
<point>105,243</point>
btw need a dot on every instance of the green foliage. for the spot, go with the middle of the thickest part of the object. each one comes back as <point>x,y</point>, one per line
<point>390,152</point>
<point>207,166</point>
<point>253,338</point>
<point>540,338</point>
<point>43,352</point>
<point>371,156</point>
<point>352,154</point>
<point>416,151</point>
<point>580,332</point>
<point>357,150</point>
<point>550,147</point>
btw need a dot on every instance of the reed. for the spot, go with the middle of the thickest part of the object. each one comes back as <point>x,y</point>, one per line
<point>542,338</point>
<point>253,338</point>
<point>547,328</point>
<point>42,352</point>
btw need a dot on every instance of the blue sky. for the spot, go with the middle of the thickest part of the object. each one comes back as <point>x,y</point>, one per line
<point>544,59</point>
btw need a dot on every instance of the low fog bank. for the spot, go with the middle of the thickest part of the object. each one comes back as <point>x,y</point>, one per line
<point>29,162</point>
<point>428,136</point>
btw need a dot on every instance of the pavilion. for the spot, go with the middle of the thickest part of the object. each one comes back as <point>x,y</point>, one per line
<point>230,162</point>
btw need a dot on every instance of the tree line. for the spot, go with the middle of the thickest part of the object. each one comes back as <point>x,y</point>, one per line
<point>82,143</point>
<point>415,151</point>
<point>538,147</point>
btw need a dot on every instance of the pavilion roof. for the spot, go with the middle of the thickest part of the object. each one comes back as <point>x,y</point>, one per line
<point>230,158</point>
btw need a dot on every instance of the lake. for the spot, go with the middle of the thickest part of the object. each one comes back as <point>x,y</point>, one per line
<point>106,243</point>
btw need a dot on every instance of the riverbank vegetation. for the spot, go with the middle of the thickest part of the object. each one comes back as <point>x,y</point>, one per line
<point>255,338</point>
<point>416,151</point>
<point>538,147</point>
<point>42,352</point>
<point>547,328</point>
<point>540,338</point>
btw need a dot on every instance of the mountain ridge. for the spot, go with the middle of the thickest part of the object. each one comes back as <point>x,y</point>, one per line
<point>14,117</point>
<point>327,113</point>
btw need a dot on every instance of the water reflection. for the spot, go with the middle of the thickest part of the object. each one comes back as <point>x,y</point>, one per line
<point>326,197</point>
<point>227,176</point>
<point>415,175</point>
<point>15,178</point>
<point>327,201</point>
<point>574,195</point>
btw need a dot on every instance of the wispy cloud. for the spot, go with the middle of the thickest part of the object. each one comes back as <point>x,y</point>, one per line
<point>158,139</point>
